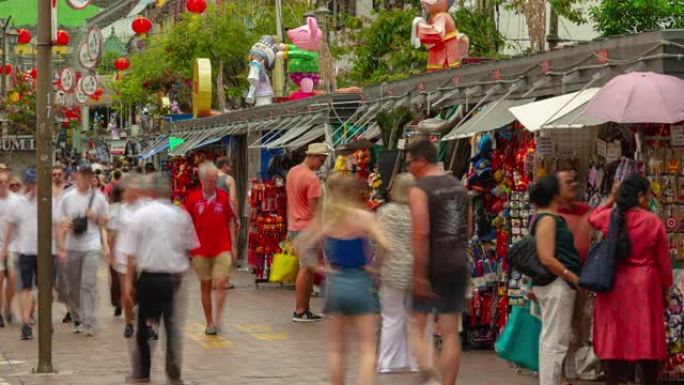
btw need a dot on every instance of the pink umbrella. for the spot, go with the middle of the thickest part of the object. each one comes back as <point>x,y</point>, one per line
<point>639,97</point>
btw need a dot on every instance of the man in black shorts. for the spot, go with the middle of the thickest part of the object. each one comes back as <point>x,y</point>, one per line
<point>23,229</point>
<point>440,212</point>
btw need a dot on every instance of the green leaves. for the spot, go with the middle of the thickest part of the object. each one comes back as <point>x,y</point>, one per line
<point>485,39</point>
<point>569,9</point>
<point>226,34</point>
<point>616,17</point>
<point>382,50</point>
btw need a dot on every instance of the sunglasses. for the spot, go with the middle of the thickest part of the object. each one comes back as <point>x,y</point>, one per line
<point>13,185</point>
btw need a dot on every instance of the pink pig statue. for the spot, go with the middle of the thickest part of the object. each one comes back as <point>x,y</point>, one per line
<point>302,57</point>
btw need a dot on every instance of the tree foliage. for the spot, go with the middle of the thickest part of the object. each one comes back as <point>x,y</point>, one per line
<point>569,9</point>
<point>485,39</point>
<point>21,112</point>
<point>223,33</point>
<point>616,17</point>
<point>382,50</point>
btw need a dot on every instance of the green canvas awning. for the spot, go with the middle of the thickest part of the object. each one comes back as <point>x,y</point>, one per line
<point>25,13</point>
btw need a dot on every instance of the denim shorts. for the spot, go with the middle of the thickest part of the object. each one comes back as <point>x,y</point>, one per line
<point>351,292</point>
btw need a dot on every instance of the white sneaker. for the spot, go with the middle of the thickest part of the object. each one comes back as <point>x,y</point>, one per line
<point>78,329</point>
<point>89,332</point>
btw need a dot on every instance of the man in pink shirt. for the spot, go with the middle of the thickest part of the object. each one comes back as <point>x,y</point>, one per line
<point>578,364</point>
<point>303,195</point>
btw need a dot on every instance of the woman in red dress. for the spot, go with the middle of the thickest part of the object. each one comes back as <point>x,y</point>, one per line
<point>629,324</point>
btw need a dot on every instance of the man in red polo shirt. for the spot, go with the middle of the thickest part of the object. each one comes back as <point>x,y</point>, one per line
<point>579,363</point>
<point>211,213</point>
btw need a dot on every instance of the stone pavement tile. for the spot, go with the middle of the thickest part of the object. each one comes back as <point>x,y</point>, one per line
<point>260,345</point>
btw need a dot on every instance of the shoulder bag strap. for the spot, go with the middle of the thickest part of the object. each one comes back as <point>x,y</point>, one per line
<point>612,225</point>
<point>90,201</point>
<point>533,228</point>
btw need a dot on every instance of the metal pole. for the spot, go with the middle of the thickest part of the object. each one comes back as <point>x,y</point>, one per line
<point>44,163</point>
<point>279,71</point>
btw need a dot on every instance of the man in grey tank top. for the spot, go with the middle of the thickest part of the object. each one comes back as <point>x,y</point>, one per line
<point>441,216</point>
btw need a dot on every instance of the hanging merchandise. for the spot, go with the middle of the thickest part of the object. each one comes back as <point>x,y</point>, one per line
<point>499,173</point>
<point>674,331</point>
<point>268,226</point>
<point>481,321</point>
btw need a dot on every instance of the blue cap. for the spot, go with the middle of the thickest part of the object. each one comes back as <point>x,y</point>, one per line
<point>30,176</point>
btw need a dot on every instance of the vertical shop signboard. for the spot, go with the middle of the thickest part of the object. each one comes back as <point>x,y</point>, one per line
<point>613,152</point>
<point>601,148</point>
<point>677,136</point>
<point>545,146</point>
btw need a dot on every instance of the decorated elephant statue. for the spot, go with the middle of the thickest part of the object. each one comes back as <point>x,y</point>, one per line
<point>262,59</point>
<point>302,58</point>
<point>446,46</point>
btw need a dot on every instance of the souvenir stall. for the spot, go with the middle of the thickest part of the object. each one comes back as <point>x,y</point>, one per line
<point>356,158</point>
<point>183,164</point>
<point>662,162</point>
<point>185,171</point>
<point>500,170</point>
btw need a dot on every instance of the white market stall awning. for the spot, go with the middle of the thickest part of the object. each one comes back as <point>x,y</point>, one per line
<point>309,137</point>
<point>491,117</point>
<point>295,132</point>
<point>563,111</point>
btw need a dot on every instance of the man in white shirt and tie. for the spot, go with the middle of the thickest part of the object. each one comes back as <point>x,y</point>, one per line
<point>157,244</point>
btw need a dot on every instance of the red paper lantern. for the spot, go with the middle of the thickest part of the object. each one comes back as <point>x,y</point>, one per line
<point>122,64</point>
<point>196,6</point>
<point>34,73</point>
<point>62,37</point>
<point>141,25</point>
<point>6,70</point>
<point>24,36</point>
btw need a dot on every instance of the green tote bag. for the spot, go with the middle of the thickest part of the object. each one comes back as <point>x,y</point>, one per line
<point>519,340</point>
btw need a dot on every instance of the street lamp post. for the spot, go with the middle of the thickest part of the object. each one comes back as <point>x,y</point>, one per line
<point>44,168</point>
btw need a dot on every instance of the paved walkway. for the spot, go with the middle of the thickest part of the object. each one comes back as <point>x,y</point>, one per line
<point>260,346</point>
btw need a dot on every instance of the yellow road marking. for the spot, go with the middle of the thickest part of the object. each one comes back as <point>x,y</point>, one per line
<point>262,332</point>
<point>195,332</point>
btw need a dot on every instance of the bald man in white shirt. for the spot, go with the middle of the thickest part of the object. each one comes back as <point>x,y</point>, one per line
<point>157,245</point>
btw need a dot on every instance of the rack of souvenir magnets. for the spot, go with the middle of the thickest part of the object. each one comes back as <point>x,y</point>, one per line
<point>518,220</point>
<point>267,226</point>
<point>664,170</point>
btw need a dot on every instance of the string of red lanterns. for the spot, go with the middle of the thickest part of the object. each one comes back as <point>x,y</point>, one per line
<point>122,64</point>
<point>62,38</point>
<point>141,25</point>
<point>23,36</point>
<point>6,69</point>
<point>196,6</point>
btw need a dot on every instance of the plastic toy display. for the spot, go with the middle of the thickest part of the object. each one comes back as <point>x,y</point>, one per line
<point>262,59</point>
<point>302,58</point>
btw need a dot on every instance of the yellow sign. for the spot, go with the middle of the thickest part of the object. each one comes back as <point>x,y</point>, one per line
<point>201,88</point>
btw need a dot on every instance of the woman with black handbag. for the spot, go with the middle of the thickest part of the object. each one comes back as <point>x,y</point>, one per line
<point>629,324</point>
<point>556,251</point>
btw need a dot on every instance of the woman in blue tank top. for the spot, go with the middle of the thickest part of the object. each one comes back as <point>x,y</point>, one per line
<point>344,230</point>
